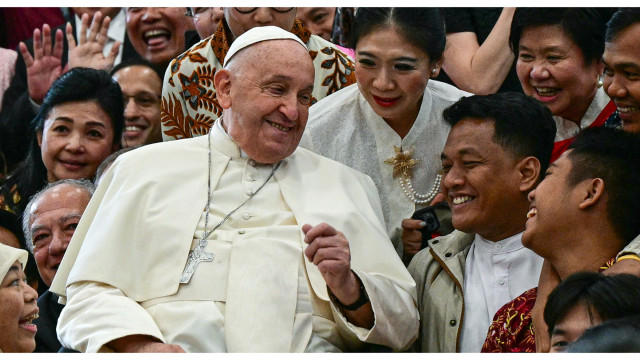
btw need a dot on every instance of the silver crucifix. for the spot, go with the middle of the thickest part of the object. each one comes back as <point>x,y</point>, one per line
<point>196,256</point>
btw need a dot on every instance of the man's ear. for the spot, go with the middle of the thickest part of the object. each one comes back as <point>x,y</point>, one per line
<point>222,83</point>
<point>592,193</point>
<point>529,171</point>
<point>39,138</point>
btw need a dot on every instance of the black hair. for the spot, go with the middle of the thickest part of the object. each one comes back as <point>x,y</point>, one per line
<point>584,26</point>
<point>9,221</point>
<point>612,336</point>
<point>610,297</point>
<point>138,62</point>
<point>422,27</point>
<point>614,156</point>
<point>523,126</point>
<point>78,84</point>
<point>621,19</point>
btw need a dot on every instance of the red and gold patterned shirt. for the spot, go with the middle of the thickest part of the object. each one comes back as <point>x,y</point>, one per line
<point>189,103</point>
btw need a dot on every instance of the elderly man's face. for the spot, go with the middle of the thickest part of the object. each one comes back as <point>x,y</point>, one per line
<point>240,20</point>
<point>480,181</point>
<point>267,106</point>
<point>53,220</point>
<point>157,33</point>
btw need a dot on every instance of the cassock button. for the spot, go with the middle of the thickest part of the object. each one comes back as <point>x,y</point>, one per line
<point>241,231</point>
<point>453,323</point>
<point>249,192</point>
<point>250,178</point>
<point>252,163</point>
<point>498,247</point>
<point>246,216</point>
<point>501,281</point>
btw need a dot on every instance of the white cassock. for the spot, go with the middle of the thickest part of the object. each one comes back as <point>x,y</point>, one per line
<point>121,272</point>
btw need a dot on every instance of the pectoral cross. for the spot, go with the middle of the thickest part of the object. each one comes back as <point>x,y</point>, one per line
<point>196,256</point>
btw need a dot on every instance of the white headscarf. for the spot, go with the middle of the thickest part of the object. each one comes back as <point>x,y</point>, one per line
<point>8,256</point>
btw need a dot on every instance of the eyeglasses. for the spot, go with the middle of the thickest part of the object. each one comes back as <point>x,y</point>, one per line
<point>248,10</point>
<point>142,100</point>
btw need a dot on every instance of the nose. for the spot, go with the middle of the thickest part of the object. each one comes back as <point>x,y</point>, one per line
<point>30,295</point>
<point>532,195</point>
<point>384,80</point>
<point>151,14</point>
<point>451,179</point>
<point>614,87</point>
<point>539,71</point>
<point>75,143</point>
<point>289,107</point>
<point>130,109</point>
<point>59,244</point>
<point>263,15</point>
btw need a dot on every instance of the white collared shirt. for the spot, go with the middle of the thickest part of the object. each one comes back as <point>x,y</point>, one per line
<point>117,31</point>
<point>495,273</point>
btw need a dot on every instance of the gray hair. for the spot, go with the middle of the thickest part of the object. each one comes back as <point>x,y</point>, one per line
<point>83,184</point>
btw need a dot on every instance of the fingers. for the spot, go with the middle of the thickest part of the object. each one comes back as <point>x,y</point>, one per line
<point>322,229</point>
<point>438,199</point>
<point>115,50</point>
<point>84,24</point>
<point>37,44</point>
<point>70,39</point>
<point>412,224</point>
<point>57,45</point>
<point>104,28</point>
<point>94,30</point>
<point>46,39</point>
<point>26,56</point>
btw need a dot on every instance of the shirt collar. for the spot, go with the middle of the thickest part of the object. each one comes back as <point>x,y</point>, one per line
<point>222,142</point>
<point>504,246</point>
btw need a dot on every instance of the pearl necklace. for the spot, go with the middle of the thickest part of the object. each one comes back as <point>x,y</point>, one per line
<point>403,164</point>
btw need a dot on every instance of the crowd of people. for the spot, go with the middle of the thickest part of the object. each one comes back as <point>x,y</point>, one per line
<point>282,179</point>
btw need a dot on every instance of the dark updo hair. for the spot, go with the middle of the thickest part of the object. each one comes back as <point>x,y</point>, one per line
<point>584,26</point>
<point>422,27</point>
<point>85,84</point>
<point>622,19</point>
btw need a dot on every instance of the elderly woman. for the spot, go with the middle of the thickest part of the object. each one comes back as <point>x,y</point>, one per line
<point>390,126</point>
<point>17,303</point>
<point>79,124</point>
<point>559,63</point>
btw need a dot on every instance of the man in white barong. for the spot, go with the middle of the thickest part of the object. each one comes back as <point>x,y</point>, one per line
<point>290,253</point>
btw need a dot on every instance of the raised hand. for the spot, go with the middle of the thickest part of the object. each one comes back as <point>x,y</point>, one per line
<point>88,51</point>
<point>45,66</point>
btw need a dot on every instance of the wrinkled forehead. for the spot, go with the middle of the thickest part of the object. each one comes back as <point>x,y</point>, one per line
<point>64,196</point>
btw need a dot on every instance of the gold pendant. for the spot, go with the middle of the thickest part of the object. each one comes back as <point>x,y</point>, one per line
<point>402,162</point>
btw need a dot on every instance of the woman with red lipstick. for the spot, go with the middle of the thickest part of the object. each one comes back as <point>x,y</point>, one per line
<point>17,303</point>
<point>390,126</point>
<point>79,124</point>
<point>559,62</point>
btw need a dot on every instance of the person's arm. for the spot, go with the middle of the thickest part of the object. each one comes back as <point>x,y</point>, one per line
<point>480,69</point>
<point>549,279</point>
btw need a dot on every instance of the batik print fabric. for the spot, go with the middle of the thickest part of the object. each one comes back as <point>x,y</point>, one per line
<point>512,328</point>
<point>189,102</point>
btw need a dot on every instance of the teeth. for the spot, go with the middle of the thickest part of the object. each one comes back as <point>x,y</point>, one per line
<point>158,32</point>
<point>29,319</point>
<point>133,128</point>
<point>533,212</point>
<point>627,109</point>
<point>546,91</point>
<point>281,128</point>
<point>461,199</point>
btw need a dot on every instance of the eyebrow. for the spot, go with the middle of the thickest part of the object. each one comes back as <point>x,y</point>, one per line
<point>69,120</point>
<point>544,49</point>
<point>402,58</point>
<point>621,65</point>
<point>68,217</point>
<point>558,331</point>
<point>464,151</point>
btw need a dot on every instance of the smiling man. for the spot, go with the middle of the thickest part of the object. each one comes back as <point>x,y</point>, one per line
<point>494,155</point>
<point>622,66</point>
<point>189,102</point>
<point>256,251</point>
<point>49,221</point>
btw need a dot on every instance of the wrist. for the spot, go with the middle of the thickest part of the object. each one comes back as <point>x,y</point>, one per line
<point>362,299</point>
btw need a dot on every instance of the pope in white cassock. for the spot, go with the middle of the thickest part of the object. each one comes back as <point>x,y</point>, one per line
<point>237,241</point>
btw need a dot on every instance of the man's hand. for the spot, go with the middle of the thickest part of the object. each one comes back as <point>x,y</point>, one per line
<point>88,52</point>
<point>626,266</point>
<point>143,344</point>
<point>411,238</point>
<point>45,66</point>
<point>329,250</point>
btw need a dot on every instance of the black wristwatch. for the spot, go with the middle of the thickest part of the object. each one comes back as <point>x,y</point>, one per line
<point>362,299</point>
